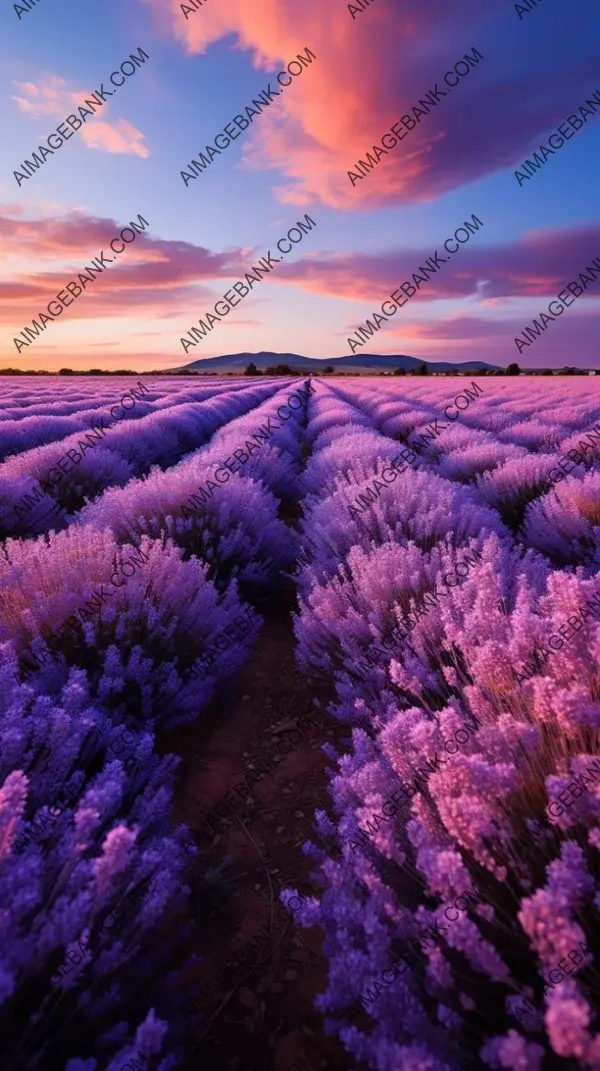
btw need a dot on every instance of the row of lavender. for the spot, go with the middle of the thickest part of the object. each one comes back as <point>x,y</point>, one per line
<point>193,569</point>
<point>84,802</point>
<point>155,431</point>
<point>454,757</point>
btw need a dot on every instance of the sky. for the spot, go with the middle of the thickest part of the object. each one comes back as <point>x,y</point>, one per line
<point>299,156</point>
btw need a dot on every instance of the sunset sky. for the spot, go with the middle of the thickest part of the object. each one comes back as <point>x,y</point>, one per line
<point>369,71</point>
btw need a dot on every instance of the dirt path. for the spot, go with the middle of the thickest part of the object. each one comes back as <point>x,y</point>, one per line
<point>260,1007</point>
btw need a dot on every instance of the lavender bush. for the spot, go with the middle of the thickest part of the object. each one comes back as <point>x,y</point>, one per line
<point>446,888</point>
<point>65,868</point>
<point>137,636</point>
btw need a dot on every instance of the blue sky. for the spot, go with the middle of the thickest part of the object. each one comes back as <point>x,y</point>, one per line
<point>294,159</point>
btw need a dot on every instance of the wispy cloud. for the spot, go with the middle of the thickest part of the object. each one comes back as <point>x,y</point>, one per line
<point>537,264</point>
<point>52,97</point>
<point>156,279</point>
<point>330,118</point>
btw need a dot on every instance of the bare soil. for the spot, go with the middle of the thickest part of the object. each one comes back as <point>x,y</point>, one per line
<point>262,1016</point>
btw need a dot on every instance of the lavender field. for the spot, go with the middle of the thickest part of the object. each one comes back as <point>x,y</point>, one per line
<point>299,723</point>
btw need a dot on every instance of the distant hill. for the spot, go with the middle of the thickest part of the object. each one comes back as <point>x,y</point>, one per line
<point>238,362</point>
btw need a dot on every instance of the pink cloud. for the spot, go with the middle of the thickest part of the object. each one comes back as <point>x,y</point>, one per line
<point>154,277</point>
<point>569,340</point>
<point>537,264</point>
<point>118,137</point>
<point>52,97</point>
<point>464,329</point>
<point>242,323</point>
<point>370,72</point>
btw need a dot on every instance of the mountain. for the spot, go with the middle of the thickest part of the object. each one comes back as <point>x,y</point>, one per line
<point>238,362</point>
